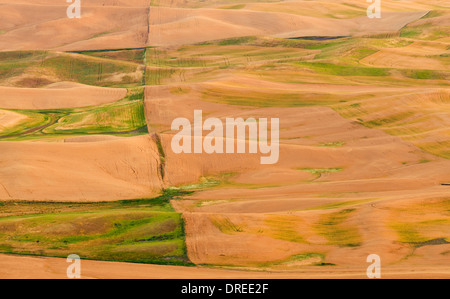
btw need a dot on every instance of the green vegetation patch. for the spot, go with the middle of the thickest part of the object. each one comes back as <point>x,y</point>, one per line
<point>141,230</point>
<point>304,257</point>
<point>125,117</point>
<point>33,122</point>
<point>237,41</point>
<point>415,234</point>
<point>90,70</point>
<point>284,227</point>
<point>426,31</point>
<point>15,63</point>
<point>344,70</point>
<point>208,182</point>
<point>336,231</point>
<point>225,225</point>
<point>387,121</point>
<point>438,148</point>
<point>414,230</point>
<point>157,76</point>
<point>408,233</point>
<point>107,119</point>
<point>93,71</point>
<point>424,74</point>
<point>162,58</point>
<point>243,40</point>
<point>136,56</point>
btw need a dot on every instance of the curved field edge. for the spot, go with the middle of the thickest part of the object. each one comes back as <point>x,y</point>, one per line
<point>125,117</point>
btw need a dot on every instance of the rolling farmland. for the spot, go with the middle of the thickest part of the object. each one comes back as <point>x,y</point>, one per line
<point>87,165</point>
